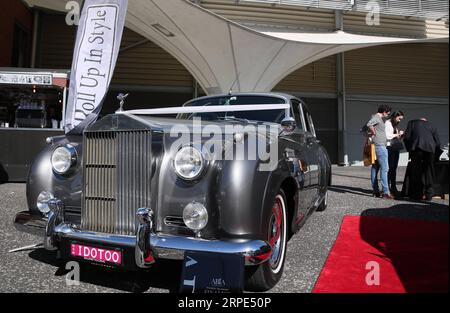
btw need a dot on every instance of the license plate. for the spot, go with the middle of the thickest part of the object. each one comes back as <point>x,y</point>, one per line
<point>96,254</point>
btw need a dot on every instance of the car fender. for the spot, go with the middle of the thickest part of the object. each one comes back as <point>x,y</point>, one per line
<point>41,176</point>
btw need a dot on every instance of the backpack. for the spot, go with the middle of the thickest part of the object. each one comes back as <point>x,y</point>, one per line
<point>365,131</point>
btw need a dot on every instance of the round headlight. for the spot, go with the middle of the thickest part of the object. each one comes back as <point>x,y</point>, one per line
<point>63,158</point>
<point>42,201</point>
<point>195,216</point>
<point>188,163</point>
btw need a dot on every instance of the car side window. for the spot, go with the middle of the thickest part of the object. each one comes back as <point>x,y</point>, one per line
<point>313,130</point>
<point>308,121</point>
<point>297,114</point>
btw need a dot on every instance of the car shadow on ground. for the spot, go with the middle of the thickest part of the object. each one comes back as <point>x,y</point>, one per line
<point>353,176</point>
<point>164,274</point>
<point>354,190</point>
<point>369,193</point>
<point>418,250</point>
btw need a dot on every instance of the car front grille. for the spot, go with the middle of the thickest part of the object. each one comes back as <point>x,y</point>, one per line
<point>116,175</point>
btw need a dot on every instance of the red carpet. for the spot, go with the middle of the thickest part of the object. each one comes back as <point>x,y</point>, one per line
<point>412,256</point>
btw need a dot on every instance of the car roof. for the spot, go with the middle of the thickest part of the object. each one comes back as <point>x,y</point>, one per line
<point>284,96</point>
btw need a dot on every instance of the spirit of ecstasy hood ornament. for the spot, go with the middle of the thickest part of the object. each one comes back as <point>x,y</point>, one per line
<point>122,97</point>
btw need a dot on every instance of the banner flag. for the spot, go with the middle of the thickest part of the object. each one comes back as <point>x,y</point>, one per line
<point>97,47</point>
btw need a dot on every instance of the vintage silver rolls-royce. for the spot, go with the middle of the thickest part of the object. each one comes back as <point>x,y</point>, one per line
<point>234,173</point>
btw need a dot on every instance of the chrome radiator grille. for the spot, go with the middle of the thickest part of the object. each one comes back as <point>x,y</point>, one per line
<point>117,173</point>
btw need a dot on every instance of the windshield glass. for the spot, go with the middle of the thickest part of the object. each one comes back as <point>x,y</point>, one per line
<point>274,116</point>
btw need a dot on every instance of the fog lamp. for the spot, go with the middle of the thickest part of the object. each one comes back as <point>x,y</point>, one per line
<point>42,201</point>
<point>195,216</point>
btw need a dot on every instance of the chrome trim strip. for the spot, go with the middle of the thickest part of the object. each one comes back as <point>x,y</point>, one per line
<point>65,231</point>
<point>174,221</point>
<point>173,247</point>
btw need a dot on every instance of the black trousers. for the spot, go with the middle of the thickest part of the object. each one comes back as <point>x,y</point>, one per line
<point>393,157</point>
<point>420,175</point>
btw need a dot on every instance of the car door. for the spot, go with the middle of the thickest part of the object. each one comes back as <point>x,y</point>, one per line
<point>312,146</point>
<point>299,157</point>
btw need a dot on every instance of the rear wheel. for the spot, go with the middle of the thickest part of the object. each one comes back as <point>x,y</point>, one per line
<point>265,276</point>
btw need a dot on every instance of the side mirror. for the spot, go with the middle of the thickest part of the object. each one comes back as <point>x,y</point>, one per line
<point>288,124</point>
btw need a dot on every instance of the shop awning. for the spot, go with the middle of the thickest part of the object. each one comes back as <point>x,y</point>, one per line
<point>224,55</point>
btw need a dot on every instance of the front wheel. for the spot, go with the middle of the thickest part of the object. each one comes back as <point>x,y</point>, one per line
<point>265,276</point>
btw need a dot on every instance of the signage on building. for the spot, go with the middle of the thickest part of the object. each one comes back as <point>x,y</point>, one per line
<point>45,79</point>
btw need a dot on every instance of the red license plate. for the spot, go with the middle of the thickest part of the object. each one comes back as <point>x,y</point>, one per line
<point>96,254</point>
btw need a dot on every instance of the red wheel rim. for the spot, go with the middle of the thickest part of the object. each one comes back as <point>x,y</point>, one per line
<point>275,233</point>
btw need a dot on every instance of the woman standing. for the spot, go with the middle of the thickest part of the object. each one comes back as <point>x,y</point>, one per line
<point>394,146</point>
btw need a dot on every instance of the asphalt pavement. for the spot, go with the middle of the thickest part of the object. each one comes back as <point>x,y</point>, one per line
<point>38,270</point>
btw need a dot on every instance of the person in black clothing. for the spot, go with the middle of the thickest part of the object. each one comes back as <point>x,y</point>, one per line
<point>422,142</point>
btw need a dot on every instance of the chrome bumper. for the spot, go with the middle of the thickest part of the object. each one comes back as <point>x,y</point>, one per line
<point>147,244</point>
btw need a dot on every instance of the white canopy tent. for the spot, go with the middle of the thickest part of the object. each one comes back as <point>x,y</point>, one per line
<point>224,55</point>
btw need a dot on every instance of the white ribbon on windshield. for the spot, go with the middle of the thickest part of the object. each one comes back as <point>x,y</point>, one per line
<point>208,109</point>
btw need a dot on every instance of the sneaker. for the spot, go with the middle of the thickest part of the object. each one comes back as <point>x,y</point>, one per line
<point>376,194</point>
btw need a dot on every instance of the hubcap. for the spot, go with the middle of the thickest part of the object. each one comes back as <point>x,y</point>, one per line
<point>276,235</point>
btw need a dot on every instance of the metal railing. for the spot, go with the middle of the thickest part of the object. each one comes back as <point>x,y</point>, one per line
<point>432,9</point>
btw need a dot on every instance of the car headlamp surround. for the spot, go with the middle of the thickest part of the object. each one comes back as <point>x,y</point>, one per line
<point>63,159</point>
<point>189,163</point>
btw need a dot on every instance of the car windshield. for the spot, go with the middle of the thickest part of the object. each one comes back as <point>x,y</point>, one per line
<point>274,116</point>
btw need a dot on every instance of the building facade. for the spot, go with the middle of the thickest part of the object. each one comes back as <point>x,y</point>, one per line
<point>342,91</point>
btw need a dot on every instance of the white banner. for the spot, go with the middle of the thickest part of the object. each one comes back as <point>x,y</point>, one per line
<point>96,49</point>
